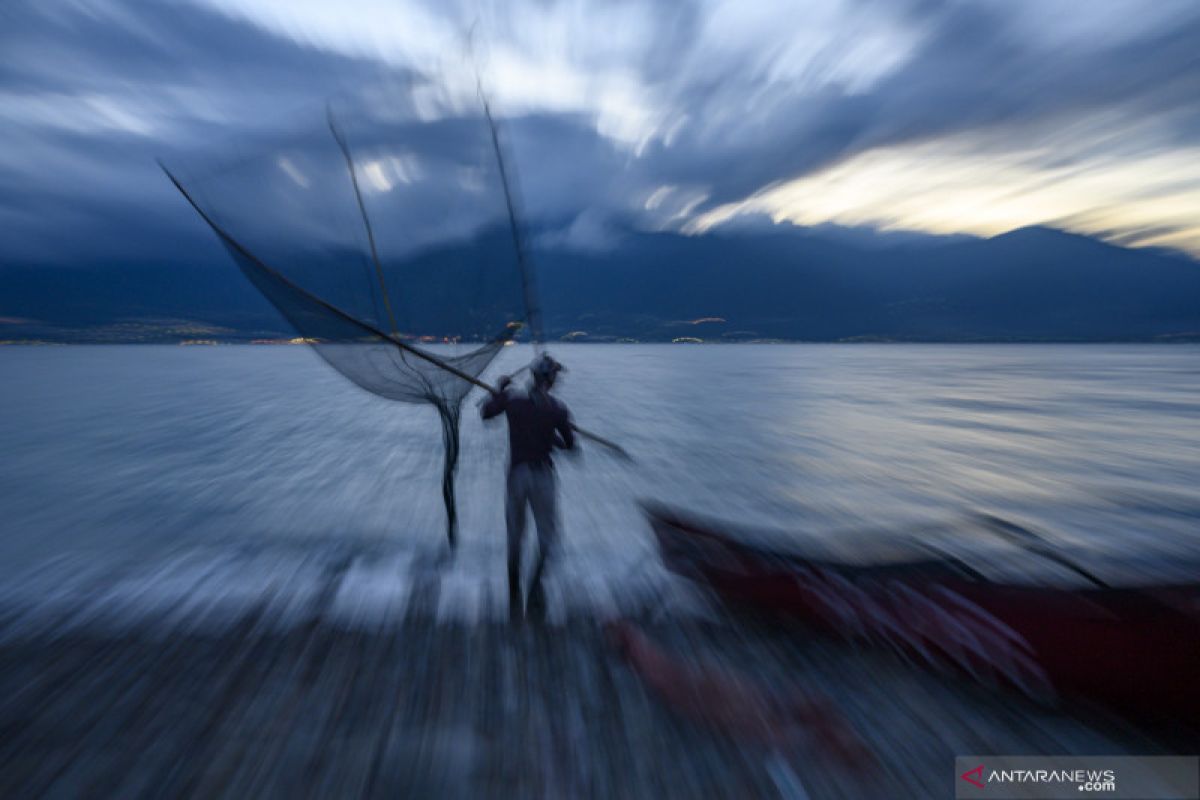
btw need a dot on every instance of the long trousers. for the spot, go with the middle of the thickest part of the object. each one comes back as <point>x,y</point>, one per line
<point>535,488</point>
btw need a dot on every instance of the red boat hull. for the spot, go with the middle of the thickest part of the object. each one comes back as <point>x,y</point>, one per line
<point>1136,649</point>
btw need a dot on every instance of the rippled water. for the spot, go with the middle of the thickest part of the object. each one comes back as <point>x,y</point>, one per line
<point>126,451</point>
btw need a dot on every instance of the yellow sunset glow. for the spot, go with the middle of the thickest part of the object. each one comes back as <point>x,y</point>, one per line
<point>942,188</point>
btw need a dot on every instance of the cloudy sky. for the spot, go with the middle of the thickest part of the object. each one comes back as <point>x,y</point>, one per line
<point>948,117</point>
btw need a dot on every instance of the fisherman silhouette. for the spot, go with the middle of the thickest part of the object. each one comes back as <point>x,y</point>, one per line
<point>537,424</point>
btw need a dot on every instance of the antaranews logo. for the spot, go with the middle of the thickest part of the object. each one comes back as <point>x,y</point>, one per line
<point>974,776</point>
<point>1086,780</point>
<point>1052,777</point>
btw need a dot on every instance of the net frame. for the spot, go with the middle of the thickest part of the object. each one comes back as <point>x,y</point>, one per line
<point>385,364</point>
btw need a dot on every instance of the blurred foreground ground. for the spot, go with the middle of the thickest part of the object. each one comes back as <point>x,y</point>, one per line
<point>372,674</point>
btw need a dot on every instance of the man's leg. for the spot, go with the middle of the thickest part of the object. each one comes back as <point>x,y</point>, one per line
<point>543,497</point>
<point>514,516</point>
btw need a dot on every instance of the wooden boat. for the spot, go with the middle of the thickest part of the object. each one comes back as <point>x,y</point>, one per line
<point>1133,648</point>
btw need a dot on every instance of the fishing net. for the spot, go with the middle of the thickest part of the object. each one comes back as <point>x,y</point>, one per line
<point>381,227</point>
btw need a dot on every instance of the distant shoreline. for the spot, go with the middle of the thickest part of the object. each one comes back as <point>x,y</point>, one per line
<point>1183,339</point>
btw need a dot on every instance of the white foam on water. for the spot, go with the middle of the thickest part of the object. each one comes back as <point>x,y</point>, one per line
<point>149,595</point>
<point>210,590</point>
<point>471,596</point>
<point>373,593</point>
<point>205,590</point>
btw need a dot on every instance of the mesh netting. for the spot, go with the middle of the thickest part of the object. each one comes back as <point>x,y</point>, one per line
<point>380,229</point>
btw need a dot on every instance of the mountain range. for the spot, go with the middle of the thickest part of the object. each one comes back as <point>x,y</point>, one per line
<point>744,284</point>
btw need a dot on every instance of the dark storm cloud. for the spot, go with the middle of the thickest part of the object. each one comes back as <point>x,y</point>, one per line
<point>127,46</point>
<point>94,93</point>
<point>975,70</point>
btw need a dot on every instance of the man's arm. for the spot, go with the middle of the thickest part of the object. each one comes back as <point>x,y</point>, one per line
<point>498,402</point>
<point>566,431</point>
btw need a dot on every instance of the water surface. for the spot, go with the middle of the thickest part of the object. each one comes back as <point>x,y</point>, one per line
<point>125,452</point>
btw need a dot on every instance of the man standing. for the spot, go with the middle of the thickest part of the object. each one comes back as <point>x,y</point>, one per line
<point>537,423</point>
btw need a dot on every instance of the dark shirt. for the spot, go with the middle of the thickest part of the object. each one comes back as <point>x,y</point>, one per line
<point>537,423</point>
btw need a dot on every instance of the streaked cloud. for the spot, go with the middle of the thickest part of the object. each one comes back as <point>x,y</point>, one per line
<point>919,114</point>
<point>961,185</point>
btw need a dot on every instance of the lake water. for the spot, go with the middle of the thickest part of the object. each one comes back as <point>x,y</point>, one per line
<point>126,454</point>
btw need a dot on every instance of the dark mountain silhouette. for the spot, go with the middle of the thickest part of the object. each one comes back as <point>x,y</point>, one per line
<point>1034,284</point>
